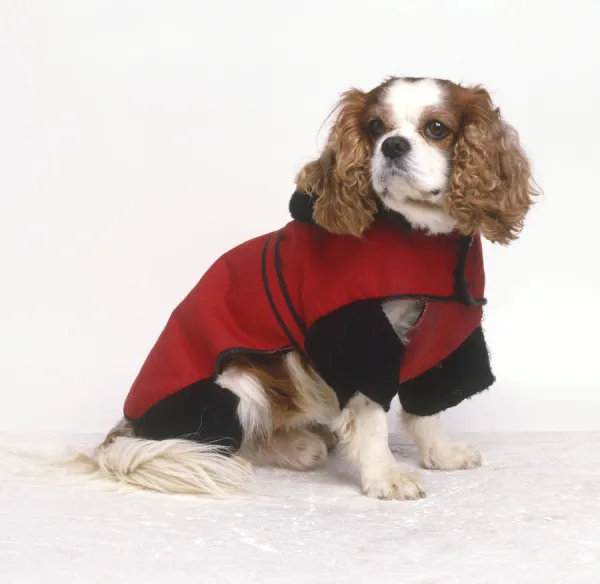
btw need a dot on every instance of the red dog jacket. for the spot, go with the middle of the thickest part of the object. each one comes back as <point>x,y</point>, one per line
<point>265,295</point>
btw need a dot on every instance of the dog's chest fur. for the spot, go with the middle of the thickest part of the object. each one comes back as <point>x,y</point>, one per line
<point>403,314</point>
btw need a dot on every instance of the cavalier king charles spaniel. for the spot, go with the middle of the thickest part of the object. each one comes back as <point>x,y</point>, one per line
<point>440,158</point>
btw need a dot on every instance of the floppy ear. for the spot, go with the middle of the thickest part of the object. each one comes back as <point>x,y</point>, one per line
<point>491,189</point>
<point>340,178</point>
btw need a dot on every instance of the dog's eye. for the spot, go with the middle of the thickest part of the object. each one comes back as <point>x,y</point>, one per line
<point>436,130</point>
<point>376,127</point>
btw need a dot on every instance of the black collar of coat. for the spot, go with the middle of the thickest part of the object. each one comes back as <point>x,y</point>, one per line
<point>302,207</point>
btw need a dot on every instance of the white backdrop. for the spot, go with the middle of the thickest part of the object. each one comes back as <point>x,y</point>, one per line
<point>139,140</point>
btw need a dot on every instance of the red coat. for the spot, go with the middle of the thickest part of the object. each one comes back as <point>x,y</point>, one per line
<point>264,295</point>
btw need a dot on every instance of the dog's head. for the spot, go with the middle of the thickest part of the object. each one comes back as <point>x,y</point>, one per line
<point>436,152</point>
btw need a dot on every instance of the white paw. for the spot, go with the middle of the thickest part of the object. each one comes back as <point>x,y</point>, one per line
<point>451,456</point>
<point>306,450</point>
<point>392,482</point>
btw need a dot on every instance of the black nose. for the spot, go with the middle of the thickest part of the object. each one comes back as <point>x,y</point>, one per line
<point>395,147</point>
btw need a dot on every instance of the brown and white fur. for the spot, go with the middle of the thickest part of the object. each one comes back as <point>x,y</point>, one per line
<point>440,155</point>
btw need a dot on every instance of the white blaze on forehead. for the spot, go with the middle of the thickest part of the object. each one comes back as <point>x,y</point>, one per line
<point>408,99</point>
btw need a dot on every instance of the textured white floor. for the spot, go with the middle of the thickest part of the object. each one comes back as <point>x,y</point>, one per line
<point>531,515</point>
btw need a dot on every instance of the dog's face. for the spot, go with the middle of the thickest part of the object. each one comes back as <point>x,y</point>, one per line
<point>436,152</point>
<point>413,125</point>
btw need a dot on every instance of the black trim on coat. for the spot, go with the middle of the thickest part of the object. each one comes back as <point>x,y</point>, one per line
<point>276,313</point>
<point>283,287</point>
<point>461,286</point>
<point>464,373</point>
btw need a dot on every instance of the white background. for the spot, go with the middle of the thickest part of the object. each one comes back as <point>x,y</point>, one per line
<point>139,140</point>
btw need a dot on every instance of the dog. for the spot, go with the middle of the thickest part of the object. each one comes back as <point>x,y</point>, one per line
<point>297,341</point>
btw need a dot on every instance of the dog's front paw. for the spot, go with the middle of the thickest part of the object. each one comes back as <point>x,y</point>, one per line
<point>451,456</point>
<point>392,483</point>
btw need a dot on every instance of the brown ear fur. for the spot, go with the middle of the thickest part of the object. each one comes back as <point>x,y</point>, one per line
<point>491,187</point>
<point>340,178</point>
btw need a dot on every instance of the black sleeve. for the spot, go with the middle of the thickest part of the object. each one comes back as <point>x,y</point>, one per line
<point>355,349</point>
<point>460,376</point>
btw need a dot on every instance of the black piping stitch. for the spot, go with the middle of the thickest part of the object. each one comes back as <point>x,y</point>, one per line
<point>283,287</point>
<point>282,324</point>
<point>461,288</point>
<point>428,298</point>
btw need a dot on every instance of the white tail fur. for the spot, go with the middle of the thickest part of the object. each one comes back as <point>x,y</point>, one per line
<point>168,466</point>
<point>179,465</point>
